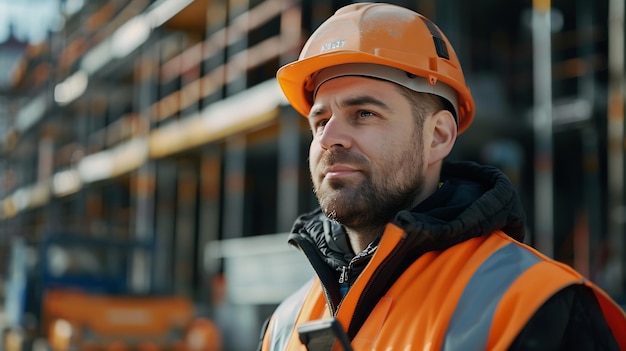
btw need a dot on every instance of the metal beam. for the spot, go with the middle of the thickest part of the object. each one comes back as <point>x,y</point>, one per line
<point>615,139</point>
<point>542,122</point>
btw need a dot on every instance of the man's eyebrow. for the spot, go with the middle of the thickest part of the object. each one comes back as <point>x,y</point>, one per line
<point>316,110</point>
<point>365,100</point>
<point>360,100</point>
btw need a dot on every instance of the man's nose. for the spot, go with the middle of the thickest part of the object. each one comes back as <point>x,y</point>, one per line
<point>336,134</point>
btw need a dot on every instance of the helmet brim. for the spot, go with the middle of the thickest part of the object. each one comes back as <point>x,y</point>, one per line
<point>294,77</point>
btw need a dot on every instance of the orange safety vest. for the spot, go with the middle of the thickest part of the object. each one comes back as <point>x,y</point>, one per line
<point>476,295</point>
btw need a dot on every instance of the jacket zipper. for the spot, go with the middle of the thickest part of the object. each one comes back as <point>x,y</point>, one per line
<point>344,277</point>
<point>344,280</point>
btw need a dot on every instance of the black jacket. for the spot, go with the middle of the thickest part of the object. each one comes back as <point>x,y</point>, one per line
<point>473,200</point>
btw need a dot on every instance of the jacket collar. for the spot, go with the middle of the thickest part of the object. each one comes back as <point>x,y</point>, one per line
<point>474,200</point>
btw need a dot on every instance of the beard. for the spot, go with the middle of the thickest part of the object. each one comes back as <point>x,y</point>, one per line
<point>373,200</point>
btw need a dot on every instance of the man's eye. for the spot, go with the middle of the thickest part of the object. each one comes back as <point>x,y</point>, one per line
<point>320,124</point>
<point>365,114</point>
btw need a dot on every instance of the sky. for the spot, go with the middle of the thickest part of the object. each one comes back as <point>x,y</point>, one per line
<point>31,20</point>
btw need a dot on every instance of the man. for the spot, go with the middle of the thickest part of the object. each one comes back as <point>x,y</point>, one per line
<point>411,252</point>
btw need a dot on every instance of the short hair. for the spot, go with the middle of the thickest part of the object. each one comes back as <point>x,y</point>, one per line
<point>424,104</point>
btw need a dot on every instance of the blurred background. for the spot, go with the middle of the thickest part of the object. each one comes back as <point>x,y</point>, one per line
<point>150,167</point>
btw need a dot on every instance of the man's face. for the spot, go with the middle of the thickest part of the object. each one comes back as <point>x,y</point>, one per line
<point>366,157</point>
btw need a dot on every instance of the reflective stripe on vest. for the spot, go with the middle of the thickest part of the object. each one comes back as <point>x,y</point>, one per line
<point>471,322</point>
<point>285,317</point>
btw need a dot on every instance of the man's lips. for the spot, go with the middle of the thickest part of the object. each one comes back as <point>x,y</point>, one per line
<point>337,171</point>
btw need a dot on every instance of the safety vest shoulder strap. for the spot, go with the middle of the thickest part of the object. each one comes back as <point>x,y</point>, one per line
<point>482,294</point>
<point>544,279</point>
<point>496,305</point>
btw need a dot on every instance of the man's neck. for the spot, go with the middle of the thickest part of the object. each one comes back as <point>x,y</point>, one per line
<point>359,239</point>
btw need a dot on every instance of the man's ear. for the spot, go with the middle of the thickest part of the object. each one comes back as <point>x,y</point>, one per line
<point>444,136</point>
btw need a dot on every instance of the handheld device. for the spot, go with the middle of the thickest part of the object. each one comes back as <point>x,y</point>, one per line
<point>320,335</point>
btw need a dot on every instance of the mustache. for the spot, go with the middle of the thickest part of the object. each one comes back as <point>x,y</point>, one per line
<point>342,157</point>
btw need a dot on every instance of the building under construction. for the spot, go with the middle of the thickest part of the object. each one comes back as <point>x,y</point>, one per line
<point>146,148</point>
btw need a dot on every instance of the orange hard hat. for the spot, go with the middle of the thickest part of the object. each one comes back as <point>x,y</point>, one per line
<point>382,41</point>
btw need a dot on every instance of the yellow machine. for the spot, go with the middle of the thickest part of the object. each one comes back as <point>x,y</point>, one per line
<point>83,305</point>
<point>77,320</point>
